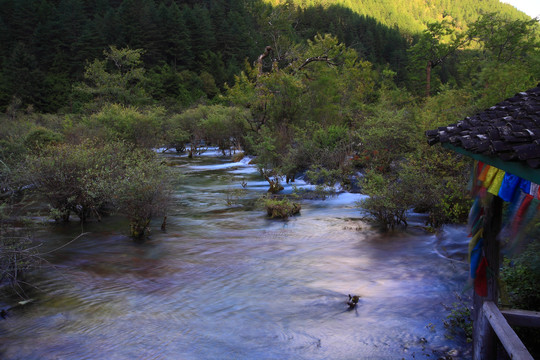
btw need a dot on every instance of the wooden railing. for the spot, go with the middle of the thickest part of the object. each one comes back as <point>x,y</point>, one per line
<point>498,321</point>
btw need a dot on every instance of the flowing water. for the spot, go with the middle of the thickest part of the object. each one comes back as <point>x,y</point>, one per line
<point>225,282</point>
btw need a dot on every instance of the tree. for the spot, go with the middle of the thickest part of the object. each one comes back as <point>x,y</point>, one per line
<point>435,45</point>
<point>503,39</point>
<point>22,76</point>
<point>117,79</point>
<point>174,36</point>
<point>507,59</point>
<point>201,34</point>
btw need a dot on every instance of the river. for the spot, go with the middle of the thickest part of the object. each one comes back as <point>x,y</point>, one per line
<point>225,282</point>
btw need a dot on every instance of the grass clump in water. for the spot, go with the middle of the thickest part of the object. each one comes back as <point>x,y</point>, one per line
<point>281,208</point>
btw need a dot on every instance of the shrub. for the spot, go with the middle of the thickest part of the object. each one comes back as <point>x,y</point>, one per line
<point>438,180</point>
<point>143,191</point>
<point>18,256</point>
<point>41,137</point>
<point>388,201</point>
<point>522,276</point>
<point>281,208</point>
<point>11,152</point>
<point>75,179</point>
<point>321,176</point>
<point>381,140</point>
<point>460,320</point>
<point>127,123</point>
<point>93,180</point>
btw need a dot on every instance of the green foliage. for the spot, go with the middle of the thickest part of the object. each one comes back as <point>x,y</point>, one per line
<point>78,179</point>
<point>169,86</point>
<point>11,152</point>
<point>388,199</point>
<point>281,208</point>
<point>502,81</point>
<point>92,180</point>
<point>521,274</point>
<point>44,44</point>
<point>435,45</point>
<point>41,137</point>
<point>127,123</point>
<point>116,79</point>
<point>143,190</point>
<point>381,137</point>
<point>224,127</point>
<point>322,176</point>
<point>504,39</point>
<point>460,321</point>
<point>218,125</point>
<point>438,181</point>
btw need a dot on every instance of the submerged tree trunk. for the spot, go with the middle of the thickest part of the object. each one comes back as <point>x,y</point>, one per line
<point>139,228</point>
<point>275,186</point>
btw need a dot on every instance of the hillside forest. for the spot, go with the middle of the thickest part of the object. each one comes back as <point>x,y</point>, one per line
<point>337,92</point>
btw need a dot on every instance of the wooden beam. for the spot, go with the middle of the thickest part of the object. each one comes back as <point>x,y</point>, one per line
<point>523,318</point>
<point>511,342</point>
<point>517,168</point>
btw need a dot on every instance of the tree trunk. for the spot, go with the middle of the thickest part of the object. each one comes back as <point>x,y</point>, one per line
<point>267,51</point>
<point>275,186</point>
<point>428,77</point>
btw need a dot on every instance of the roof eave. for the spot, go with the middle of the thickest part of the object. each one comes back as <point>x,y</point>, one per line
<point>515,168</point>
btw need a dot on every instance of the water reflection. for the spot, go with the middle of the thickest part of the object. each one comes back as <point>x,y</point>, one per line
<point>224,282</point>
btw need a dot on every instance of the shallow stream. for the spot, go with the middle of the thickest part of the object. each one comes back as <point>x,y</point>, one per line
<point>225,282</point>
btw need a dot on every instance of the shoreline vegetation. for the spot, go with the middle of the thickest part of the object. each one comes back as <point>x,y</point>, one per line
<point>343,104</point>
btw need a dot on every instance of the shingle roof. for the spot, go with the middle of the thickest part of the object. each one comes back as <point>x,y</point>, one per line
<point>510,130</point>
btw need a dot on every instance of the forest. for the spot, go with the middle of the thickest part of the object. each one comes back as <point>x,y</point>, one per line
<point>336,92</point>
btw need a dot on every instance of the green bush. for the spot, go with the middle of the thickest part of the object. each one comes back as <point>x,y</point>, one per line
<point>437,179</point>
<point>11,152</point>
<point>281,208</point>
<point>41,137</point>
<point>388,199</point>
<point>92,180</point>
<point>460,320</point>
<point>143,190</point>
<point>127,123</point>
<point>322,176</point>
<point>521,275</point>
<point>381,137</point>
<point>77,179</point>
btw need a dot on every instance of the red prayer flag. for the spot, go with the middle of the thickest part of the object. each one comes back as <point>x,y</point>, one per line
<point>480,282</point>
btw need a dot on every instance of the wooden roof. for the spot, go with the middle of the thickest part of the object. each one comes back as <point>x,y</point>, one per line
<point>508,133</point>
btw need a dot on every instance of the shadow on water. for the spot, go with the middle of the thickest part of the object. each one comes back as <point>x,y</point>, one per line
<point>225,282</point>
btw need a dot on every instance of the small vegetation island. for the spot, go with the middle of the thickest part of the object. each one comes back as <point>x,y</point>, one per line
<point>337,93</point>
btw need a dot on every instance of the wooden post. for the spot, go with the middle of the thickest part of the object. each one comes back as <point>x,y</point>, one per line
<point>484,338</point>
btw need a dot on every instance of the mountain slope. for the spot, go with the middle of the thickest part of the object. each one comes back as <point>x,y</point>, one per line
<point>410,16</point>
